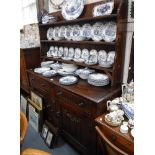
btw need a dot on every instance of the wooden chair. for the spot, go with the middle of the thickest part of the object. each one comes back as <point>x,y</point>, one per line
<point>106,146</point>
<point>31,151</point>
<point>23,126</point>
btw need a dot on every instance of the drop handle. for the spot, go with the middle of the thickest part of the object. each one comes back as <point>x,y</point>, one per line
<point>81,104</point>
<point>59,93</point>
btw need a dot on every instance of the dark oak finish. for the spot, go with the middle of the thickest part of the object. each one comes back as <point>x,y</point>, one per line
<point>29,58</point>
<point>120,141</point>
<point>74,108</point>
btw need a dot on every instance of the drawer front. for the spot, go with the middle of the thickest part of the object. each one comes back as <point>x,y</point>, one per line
<point>118,140</point>
<point>75,102</point>
<point>39,84</point>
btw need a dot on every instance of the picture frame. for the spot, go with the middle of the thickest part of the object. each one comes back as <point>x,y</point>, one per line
<point>37,99</point>
<point>44,131</point>
<point>33,118</point>
<point>49,139</point>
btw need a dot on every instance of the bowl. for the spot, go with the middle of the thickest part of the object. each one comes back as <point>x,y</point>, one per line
<point>69,67</point>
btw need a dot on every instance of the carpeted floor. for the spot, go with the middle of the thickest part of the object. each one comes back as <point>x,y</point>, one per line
<point>34,140</point>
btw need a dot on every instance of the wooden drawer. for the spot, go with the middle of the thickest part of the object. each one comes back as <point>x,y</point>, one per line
<point>117,139</point>
<point>39,84</point>
<point>74,102</point>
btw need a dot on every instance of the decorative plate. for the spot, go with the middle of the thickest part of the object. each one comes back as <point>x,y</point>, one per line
<point>60,51</point>
<point>111,57</point>
<point>109,33</point>
<point>76,33</point>
<point>71,52</point>
<point>77,53</point>
<point>103,9</point>
<point>68,32</point>
<point>56,66</point>
<point>102,56</point>
<point>86,31</point>
<point>46,63</point>
<point>92,58</point>
<point>65,51</point>
<point>72,9</point>
<point>68,80</point>
<point>49,73</point>
<point>97,31</point>
<point>61,31</point>
<point>56,33</point>
<point>85,54</point>
<point>50,34</point>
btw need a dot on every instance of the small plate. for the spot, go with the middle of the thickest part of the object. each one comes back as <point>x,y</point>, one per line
<point>56,33</point>
<point>76,33</point>
<point>85,54</point>
<point>68,32</point>
<point>50,33</point>
<point>92,58</point>
<point>71,52</point>
<point>86,31</point>
<point>77,53</point>
<point>49,73</point>
<point>41,70</point>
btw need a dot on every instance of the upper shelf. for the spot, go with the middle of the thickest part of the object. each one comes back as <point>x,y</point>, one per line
<point>88,19</point>
<point>78,42</point>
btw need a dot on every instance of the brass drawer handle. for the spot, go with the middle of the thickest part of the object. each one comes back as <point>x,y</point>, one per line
<point>81,104</point>
<point>59,93</point>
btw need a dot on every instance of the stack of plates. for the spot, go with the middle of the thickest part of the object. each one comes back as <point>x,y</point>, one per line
<point>68,80</point>
<point>98,79</point>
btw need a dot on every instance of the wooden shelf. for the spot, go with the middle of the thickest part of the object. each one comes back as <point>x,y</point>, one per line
<point>78,42</point>
<point>89,19</point>
<point>78,63</point>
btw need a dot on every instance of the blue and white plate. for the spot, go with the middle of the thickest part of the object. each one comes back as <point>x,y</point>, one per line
<point>72,9</point>
<point>50,34</point>
<point>104,8</point>
<point>49,73</point>
<point>86,31</point>
<point>109,33</point>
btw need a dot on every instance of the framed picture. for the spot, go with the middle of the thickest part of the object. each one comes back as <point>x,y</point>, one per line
<point>36,99</point>
<point>44,131</point>
<point>49,138</point>
<point>33,118</point>
<point>23,104</point>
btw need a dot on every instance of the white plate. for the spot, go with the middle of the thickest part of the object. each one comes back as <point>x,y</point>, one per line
<point>71,52</point>
<point>97,31</point>
<point>50,34</point>
<point>49,73</point>
<point>109,33</point>
<point>68,32</point>
<point>72,9</point>
<point>41,70</point>
<point>86,31</point>
<point>85,54</point>
<point>77,53</point>
<point>92,58</point>
<point>56,33</point>
<point>102,56</point>
<point>104,8</point>
<point>76,33</point>
<point>65,51</point>
<point>61,32</point>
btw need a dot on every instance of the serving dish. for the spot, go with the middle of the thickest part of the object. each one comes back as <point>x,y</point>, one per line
<point>50,33</point>
<point>84,73</point>
<point>109,32</point>
<point>46,63</point>
<point>69,67</point>
<point>64,73</point>
<point>68,80</point>
<point>41,70</point>
<point>72,9</point>
<point>56,66</point>
<point>49,73</point>
<point>105,8</point>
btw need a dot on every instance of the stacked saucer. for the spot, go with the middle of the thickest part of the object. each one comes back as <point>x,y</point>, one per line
<point>98,79</point>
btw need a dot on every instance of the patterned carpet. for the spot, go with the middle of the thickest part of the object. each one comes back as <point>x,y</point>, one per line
<point>34,140</point>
